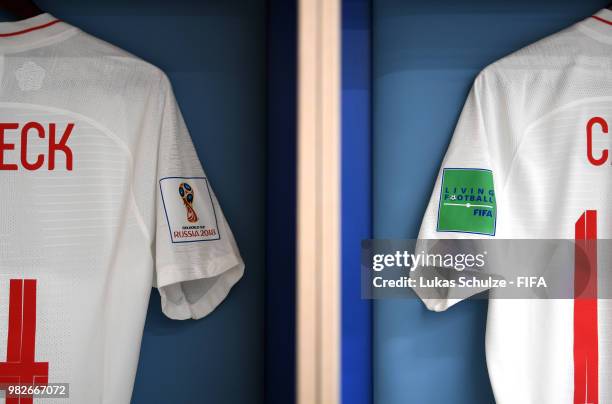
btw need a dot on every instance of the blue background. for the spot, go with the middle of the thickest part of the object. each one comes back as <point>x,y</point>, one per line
<point>356,327</point>
<point>215,55</point>
<point>425,57</point>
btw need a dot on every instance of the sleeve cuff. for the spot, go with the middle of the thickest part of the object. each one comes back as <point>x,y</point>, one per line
<point>211,286</point>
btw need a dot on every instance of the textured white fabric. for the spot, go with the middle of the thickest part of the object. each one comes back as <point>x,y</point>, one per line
<point>526,120</point>
<point>95,230</point>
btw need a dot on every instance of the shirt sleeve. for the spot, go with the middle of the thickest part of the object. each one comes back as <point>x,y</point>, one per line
<point>464,203</point>
<point>196,257</point>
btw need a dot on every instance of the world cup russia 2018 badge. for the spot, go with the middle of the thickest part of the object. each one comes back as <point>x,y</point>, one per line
<point>191,214</point>
<point>187,195</point>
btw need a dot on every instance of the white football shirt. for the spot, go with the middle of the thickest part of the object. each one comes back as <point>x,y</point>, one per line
<point>102,196</point>
<point>535,135</point>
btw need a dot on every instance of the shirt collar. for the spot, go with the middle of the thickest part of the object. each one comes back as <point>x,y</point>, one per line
<point>32,32</point>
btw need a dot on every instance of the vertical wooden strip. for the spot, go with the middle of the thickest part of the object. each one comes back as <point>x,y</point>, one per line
<point>318,222</point>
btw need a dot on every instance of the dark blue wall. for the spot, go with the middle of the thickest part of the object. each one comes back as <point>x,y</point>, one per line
<point>356,199</point>
<point>426,55</point>
<point>280,271</point>
<point>215,54</point>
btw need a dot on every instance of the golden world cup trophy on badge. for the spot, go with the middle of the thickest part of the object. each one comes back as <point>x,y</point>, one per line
<point>186,193</point>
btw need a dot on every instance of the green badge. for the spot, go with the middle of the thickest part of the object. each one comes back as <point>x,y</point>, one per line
<point>467,201</point>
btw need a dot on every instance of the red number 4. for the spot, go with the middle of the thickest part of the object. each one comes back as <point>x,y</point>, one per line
<point>586,357</point>
<point>21,367</point>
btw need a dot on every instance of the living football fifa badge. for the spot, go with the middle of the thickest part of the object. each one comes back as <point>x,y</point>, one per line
<point>467,201</point>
